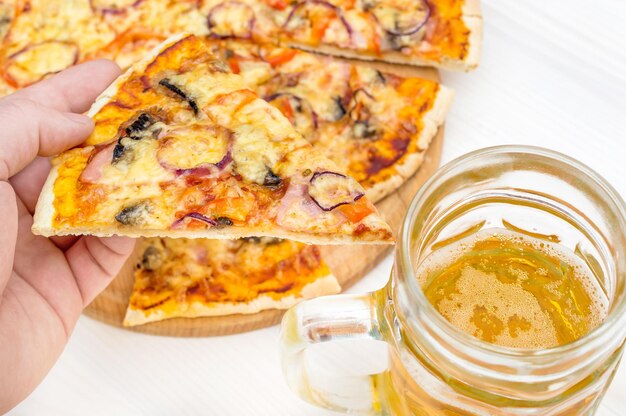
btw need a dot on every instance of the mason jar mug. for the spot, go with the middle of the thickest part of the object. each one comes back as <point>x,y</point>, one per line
<point>435,369</point>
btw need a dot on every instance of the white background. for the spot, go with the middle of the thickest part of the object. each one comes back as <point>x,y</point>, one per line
<point>553,74</point>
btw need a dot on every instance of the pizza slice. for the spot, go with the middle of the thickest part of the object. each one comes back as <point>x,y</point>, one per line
<point>441,33</point>
<point>182,148</point>
<point>202,277</point>
<point>374,125</point>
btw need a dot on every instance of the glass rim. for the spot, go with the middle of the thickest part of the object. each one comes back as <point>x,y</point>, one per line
<point>614,317</point>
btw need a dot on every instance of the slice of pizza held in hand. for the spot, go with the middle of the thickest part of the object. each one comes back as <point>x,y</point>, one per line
<point>181,148</point>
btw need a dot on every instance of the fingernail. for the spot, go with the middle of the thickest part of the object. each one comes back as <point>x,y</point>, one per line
<point>79,118</point>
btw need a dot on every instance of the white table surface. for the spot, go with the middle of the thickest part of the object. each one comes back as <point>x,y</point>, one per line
<point>553,74</point>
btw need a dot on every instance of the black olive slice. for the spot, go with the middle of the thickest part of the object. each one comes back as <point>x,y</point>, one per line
<point>176,90</point>
<point>271,179</point>
<point>140,124</point>
<point>118,152</point>
<point>340,110</point>
<point>144,126</point>
<point>363,130</point>
<point>151,258</point>
<point>133,214</point>
<point>224,221</point>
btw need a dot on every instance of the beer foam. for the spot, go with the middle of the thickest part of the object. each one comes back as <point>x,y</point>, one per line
<point>504,312</point>
<point>500,313</point>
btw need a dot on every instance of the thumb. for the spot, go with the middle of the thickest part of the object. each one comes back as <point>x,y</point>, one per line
<point>30,129</point>
<point>8,232</point>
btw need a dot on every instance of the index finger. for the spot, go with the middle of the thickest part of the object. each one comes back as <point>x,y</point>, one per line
<point>74,89</point>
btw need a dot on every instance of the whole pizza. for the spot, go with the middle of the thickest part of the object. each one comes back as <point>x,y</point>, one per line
<point>40,37</point>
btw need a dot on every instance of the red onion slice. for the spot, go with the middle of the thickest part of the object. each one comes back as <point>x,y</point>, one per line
<point>50,57</point>
<point>224,21</point>
<point>113,6</point>
<point>322,3</point>
<point>198,149</point>
<point>302,103</point>
<point>330,190</point>
<point>355,112</point>
<point>356,92</point>
<point>362,118</point>
<point>179,223</point>
<point>203,170</point>
<point>401,22</point>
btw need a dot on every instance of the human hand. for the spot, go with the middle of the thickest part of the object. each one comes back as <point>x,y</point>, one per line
<point>45,283</point>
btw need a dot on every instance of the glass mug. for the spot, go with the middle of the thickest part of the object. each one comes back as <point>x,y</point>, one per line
<point>435,369</point>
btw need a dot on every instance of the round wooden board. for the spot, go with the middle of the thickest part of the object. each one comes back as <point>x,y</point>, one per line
<point>348,263</point>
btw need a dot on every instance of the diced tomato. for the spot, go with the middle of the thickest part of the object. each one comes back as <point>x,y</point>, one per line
<point>236,99</point>
<point>233,62</point>
<point>355,212</point>
<point>376,44</point>
<point>284,56</point>
<point>277,4</point>
<point>234,208</point>
<point>284,105</point>
<point>320,25</point>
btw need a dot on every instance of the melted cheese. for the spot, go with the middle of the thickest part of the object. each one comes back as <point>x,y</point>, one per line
<point>143,168</point>
<point>252,155</point>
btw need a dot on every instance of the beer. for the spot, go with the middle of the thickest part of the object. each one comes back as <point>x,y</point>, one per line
<point>514,290</point>
<point>503,287</point>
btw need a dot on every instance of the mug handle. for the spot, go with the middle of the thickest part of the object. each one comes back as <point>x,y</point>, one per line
<point>327,319</point>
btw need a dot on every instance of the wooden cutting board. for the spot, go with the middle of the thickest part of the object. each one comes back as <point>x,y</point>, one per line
<point>348,263</point>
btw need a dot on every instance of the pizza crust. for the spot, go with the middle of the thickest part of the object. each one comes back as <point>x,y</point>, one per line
<point>44,212</point>
<point>215,234</point>
<point>432,120</point>
<point>475,26</point>
<point>471,8</point>
<point>326,285</point>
